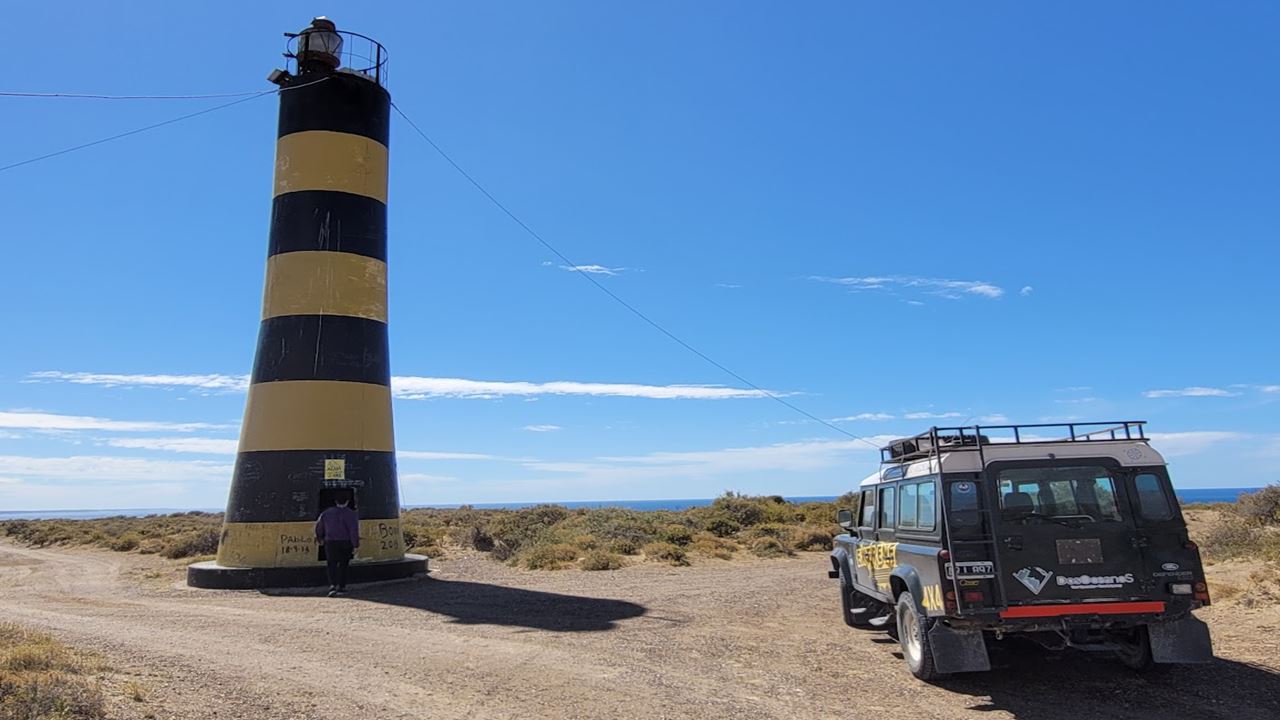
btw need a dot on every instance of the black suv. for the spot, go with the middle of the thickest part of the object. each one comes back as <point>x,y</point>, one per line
<point>971,534</point>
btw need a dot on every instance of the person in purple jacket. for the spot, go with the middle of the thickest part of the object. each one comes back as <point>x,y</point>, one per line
<point>339,529</point>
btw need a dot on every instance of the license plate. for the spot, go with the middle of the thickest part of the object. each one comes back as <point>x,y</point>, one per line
<point>1087,551</point>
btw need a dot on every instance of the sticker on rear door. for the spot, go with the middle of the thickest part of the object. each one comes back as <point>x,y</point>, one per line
<point>1095,582</point>
<point>1035,578</point>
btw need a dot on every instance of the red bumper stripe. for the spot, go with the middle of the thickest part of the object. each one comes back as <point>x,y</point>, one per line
<point>1123,608</point>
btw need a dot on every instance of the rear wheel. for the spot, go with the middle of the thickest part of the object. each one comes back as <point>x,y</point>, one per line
<point>857,608</point>
<point>1135,652</point>
<point>913,637</point>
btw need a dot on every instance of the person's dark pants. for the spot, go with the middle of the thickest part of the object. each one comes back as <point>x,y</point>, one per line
<point>337,555</point>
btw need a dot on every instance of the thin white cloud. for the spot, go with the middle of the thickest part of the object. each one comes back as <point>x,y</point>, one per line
<point>50,422</point>
<point>421,388</point>
<point>866,416</point>
<point>1176,444</point>
<point>1269,388</point>
<point>196,445</point>
<point>941,287</point>
<point>931,415</point>
<point>438,455</point>
<point>994,419</point>
<point>541,428</point>
<point>202,382</point>
<point>780,457</point>
<point>1026,290</point>
<point>593,269</point>
<point>916,303</point>
<point>425,479</point>
<point>90,469</point>
<point>1194,391</point>
<point>728,286</point>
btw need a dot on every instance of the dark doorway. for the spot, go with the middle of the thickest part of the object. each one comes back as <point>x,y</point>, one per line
<point>330,497</point>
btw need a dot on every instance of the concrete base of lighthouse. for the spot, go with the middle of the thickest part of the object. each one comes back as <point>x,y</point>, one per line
<point>213,576</point>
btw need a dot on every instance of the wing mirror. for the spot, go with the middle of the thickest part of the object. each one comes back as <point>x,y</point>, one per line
<point>844,518</point>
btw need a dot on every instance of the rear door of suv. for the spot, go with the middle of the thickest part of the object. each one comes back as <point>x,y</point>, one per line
<point>1065,532</point>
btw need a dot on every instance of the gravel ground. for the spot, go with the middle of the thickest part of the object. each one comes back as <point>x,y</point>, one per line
<point>476,639</point>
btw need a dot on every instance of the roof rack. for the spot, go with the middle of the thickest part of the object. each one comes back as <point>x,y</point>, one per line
<point>971,437</point>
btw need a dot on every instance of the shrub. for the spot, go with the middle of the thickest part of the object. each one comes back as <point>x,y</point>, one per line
<point>675,534</point>
<point>586,542</point>
<point>548,557</point>
<point>769,547</point>
<point>600,560</point>
<point>667,552</point>
<point>1261,507</point>
<point>712,546</point>
<point>811,537</point>
<point>501,551</point>
<point>623,546</point>
<point>125,542</point>
<point>42,678</point>
<point>200,542</point>
<point>521,528</point>
<point>719,523</point>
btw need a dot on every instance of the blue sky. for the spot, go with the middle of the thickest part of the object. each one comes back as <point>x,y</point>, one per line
<point>896,214</point>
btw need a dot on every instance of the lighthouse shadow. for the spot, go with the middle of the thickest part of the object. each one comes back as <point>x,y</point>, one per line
<point>473,603</point>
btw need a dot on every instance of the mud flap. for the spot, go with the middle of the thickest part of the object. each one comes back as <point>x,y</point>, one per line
<point>1180,641</point>
<point>958,651</point>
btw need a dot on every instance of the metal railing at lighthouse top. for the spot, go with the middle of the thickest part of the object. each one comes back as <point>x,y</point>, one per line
<point>360,55</point>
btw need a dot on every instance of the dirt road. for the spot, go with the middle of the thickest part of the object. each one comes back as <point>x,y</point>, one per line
<point>742,639</point>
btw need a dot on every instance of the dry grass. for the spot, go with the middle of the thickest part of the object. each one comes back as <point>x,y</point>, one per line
<point>42,678</point>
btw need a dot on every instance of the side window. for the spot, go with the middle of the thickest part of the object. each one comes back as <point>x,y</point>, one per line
<point>887,508</point>
<point>868,509</point>
<point>907,511</point>
<point>927,518</point>
<point>1153,502</point>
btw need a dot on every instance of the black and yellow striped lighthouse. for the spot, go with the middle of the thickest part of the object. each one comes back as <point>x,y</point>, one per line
<point>317,423</point>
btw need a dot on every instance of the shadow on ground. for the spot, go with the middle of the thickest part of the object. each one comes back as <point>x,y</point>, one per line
<point>474,603</point>
<point>1032,684</point>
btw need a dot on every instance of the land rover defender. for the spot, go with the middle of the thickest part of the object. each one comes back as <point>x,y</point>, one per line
<point>1069,535</point>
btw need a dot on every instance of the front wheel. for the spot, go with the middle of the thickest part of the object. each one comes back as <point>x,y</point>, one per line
<point>913,637</point>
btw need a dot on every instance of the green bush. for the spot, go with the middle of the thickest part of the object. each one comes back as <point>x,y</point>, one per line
<point>40,678</point>
<point>708,544</point>
<point>811,537</point>
<point>623,546</point>
<point>769,547</point>
<point>600,560</point>
<point>124,543</point>
<point>675,534</point>
<point>1261,507</point>
<point>200,542</point>
<point>667,552</point>
<point>548,557</point>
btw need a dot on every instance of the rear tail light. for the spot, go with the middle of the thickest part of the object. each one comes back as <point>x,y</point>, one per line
<point>1180,588</point>
<point>1202,593</point>
<point>949,600</point>
<point>972,596</point>
<point>944,554</point>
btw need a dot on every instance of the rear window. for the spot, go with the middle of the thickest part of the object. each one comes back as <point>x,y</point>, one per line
<point>1153,501</point>
<point>1085,493</point>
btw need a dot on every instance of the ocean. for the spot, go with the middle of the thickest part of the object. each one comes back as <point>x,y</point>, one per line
<point>1185,496</point>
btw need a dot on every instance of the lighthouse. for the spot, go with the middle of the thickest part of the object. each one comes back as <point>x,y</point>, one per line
<point>317,422</point>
